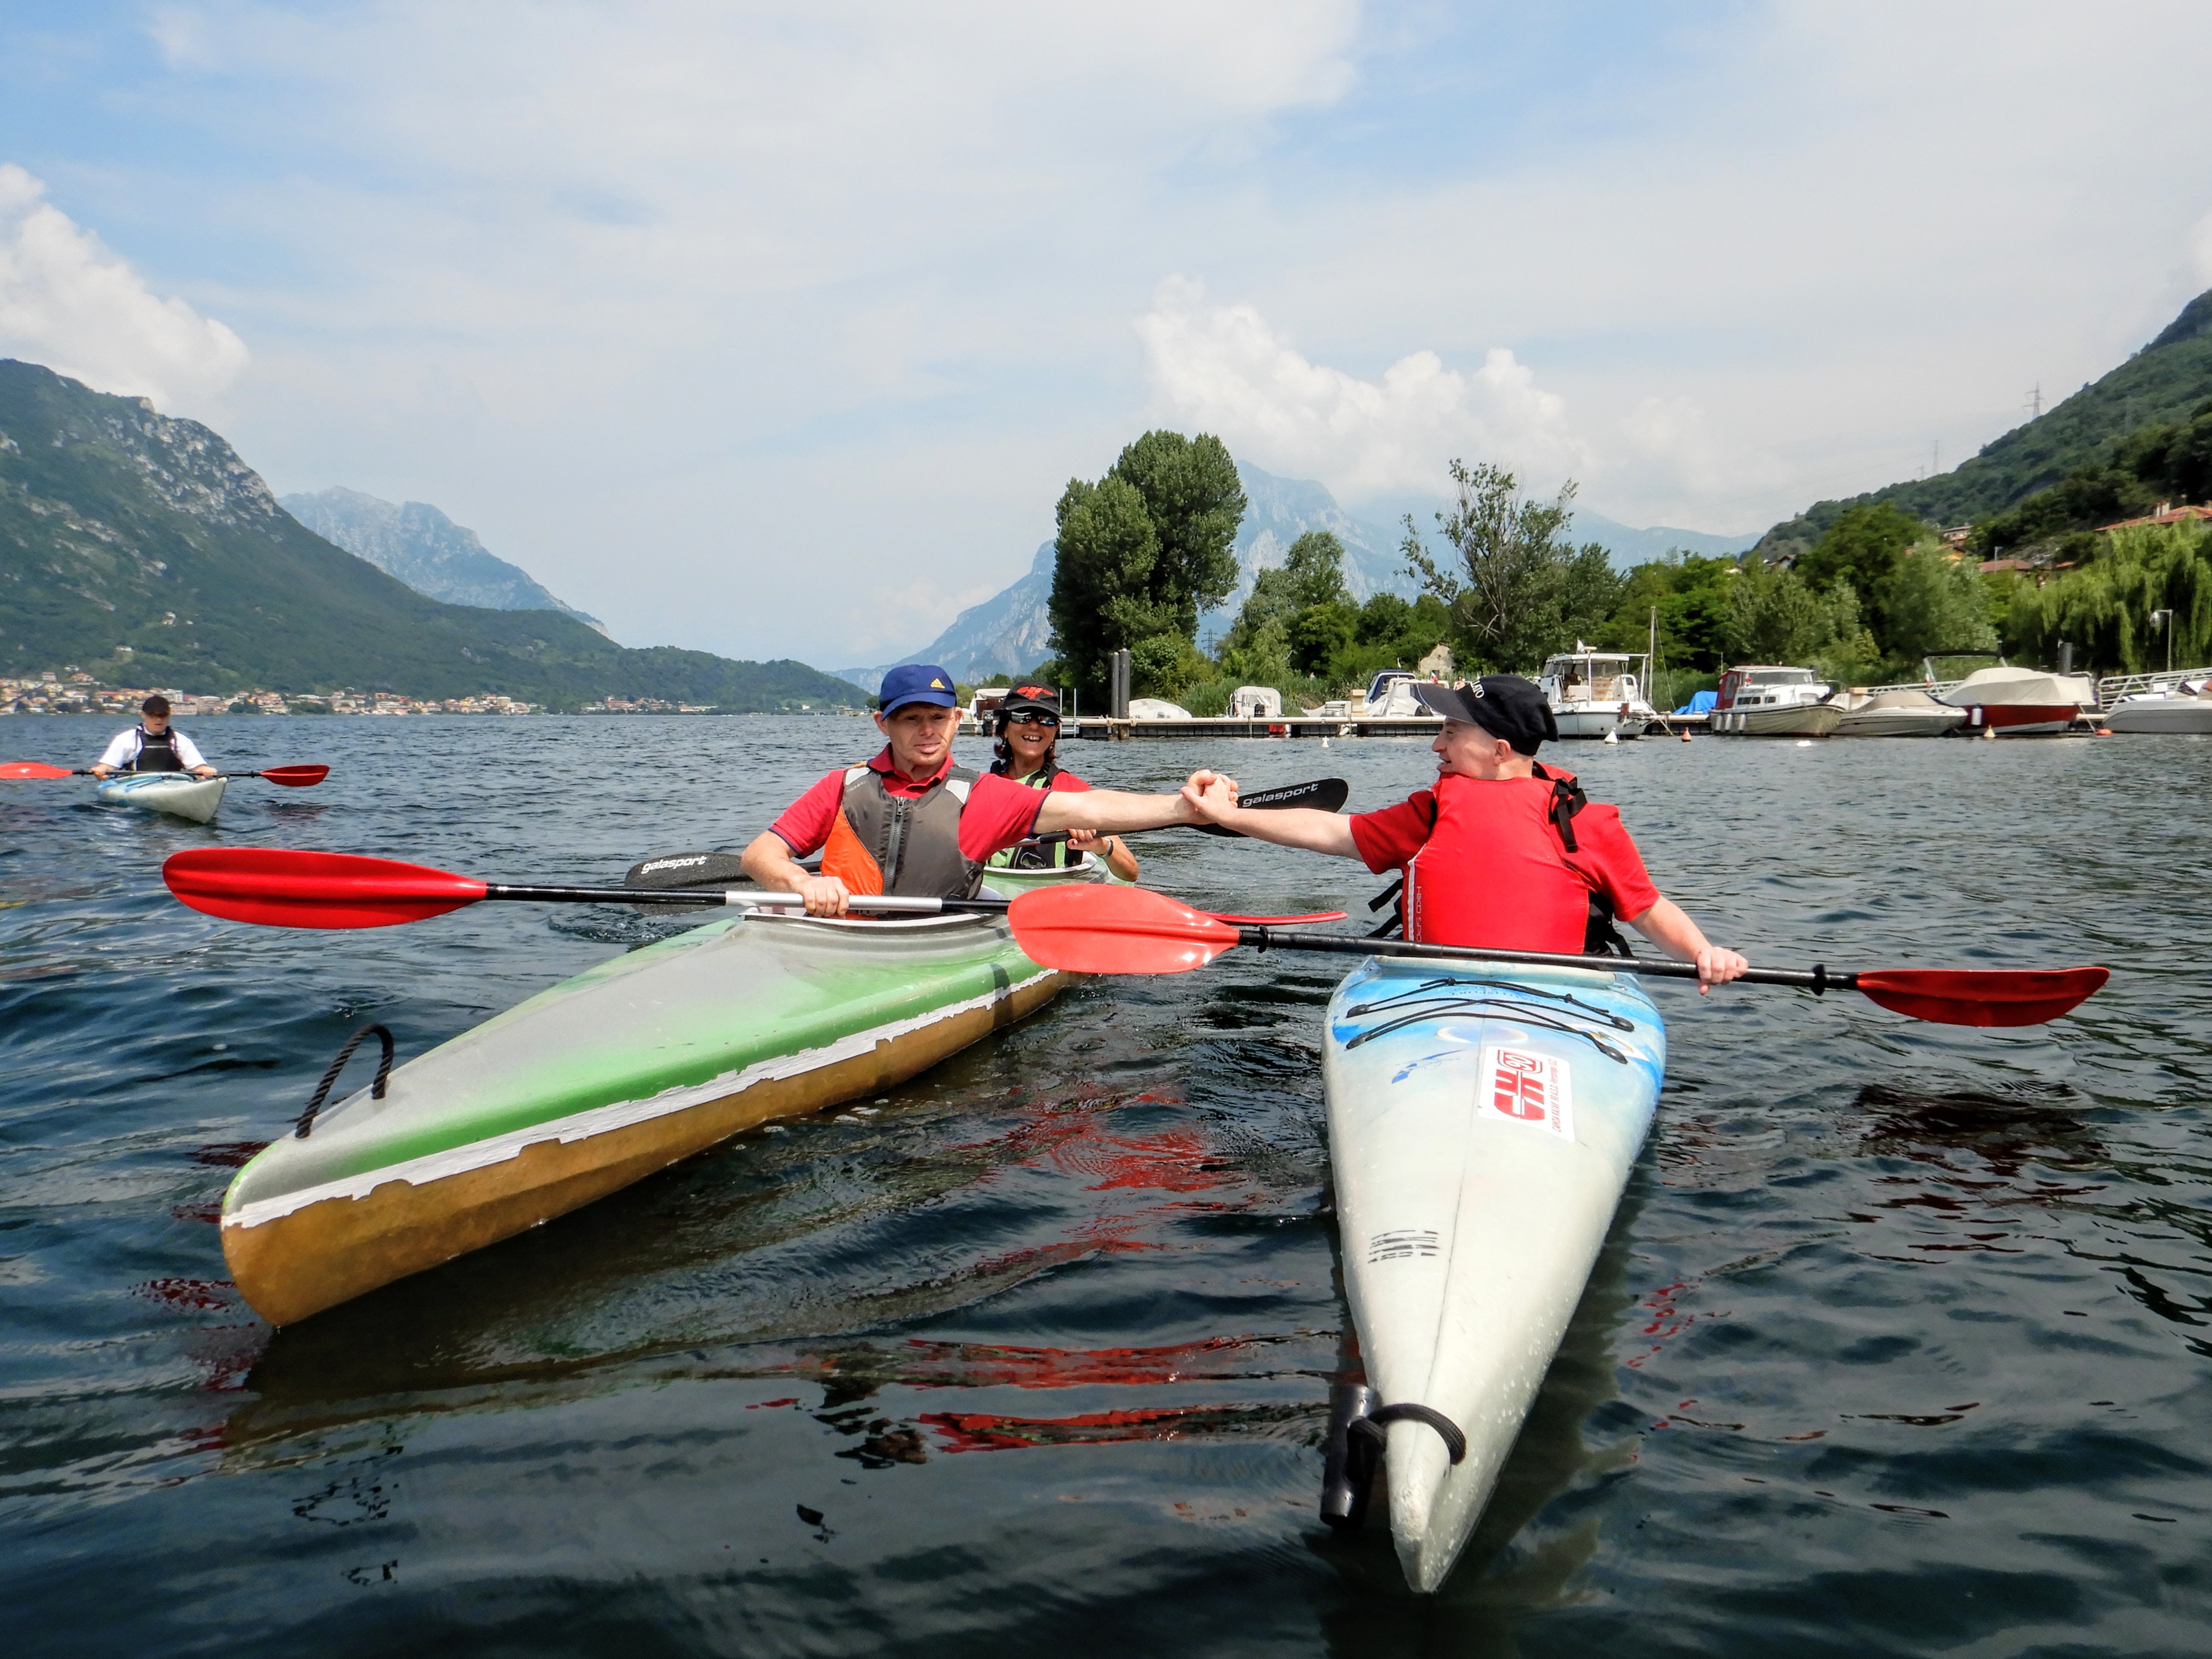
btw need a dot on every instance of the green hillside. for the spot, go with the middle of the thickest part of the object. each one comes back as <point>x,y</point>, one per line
<point>2161,385</point>
<point>143,550</point>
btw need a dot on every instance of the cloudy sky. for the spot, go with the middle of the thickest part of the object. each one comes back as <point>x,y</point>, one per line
<point>777,329</point>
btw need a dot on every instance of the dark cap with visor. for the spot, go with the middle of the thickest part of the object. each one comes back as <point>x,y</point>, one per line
<point>1041,698</point>
<point>1505,705</point>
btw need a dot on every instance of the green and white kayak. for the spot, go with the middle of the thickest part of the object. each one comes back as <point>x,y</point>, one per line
<point>586,1087</point>
<point>178,793</point>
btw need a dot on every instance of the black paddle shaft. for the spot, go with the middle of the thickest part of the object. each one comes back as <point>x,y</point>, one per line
<point>1817,980</point>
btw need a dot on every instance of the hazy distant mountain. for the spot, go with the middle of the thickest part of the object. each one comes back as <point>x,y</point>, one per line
<point>1010,631</point>
<point>2165,381</point>
<point>426,549</point>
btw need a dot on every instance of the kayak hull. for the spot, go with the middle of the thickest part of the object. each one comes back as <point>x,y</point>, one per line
<point>1479,1155</point>
<point>178,793</point>
<point>596,1082</point>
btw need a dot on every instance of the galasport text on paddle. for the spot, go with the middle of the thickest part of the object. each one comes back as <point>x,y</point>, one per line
<point>273,887</point>
<point>292,777</point>
<point>1128,930</point>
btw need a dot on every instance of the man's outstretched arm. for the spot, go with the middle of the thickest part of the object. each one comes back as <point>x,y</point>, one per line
<point>1303,827</point>
<point>1117,811</point>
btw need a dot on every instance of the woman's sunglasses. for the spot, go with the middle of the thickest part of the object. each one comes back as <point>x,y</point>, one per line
<point>1030,717</point>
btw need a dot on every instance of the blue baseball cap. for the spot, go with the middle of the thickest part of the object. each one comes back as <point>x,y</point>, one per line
<point>916,682</point>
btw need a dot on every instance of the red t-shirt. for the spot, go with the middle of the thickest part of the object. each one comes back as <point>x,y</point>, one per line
<point>1605,857</point>
<point>999,813</point>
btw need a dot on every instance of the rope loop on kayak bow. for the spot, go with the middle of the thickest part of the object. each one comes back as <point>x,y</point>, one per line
<point>1370,1426</point>
<point>323,1088</point>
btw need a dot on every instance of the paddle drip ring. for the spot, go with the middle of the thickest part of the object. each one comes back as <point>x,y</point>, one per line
<point>323,1088</point>
<point>1370,1426</point>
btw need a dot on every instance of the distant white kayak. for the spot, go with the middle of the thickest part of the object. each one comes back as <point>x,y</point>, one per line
<point>1483,1119</point>
<point>178,793</point>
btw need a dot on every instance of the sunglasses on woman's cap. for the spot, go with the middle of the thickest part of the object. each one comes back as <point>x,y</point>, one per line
<point>1031,717</point>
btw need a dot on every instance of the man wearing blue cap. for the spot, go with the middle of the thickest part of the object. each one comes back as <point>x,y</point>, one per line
<point>909,821</point>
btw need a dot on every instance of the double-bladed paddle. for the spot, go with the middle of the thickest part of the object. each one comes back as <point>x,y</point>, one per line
<point>292,777</point>
<point>1129,930</point>
<point>275,887</point>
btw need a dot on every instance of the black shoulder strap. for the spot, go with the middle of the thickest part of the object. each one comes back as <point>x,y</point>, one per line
<point>1567,799</point>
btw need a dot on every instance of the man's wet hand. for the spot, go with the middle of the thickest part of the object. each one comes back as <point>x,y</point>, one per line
<point>825,896</point>
<point>1718,966</point>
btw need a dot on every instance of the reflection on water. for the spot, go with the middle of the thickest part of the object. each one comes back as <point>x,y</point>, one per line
<point>1898,1345</point>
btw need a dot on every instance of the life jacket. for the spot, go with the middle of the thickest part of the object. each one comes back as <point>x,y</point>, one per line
<point>880,843</point>
<point>1037,852</point>
<point>1519,833</point>
<point>155,754</point>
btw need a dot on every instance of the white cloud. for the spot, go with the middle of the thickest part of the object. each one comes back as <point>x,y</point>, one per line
<point>70,304</point>
<point>1226,369</point>
<point>2200,252</point>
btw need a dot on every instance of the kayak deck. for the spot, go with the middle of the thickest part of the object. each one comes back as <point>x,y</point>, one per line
<point>1483,1119</point>
<point>178,793</point>
<point>629,1066</point>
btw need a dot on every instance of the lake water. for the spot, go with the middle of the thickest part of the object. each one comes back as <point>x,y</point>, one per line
<point>1901,1343</point>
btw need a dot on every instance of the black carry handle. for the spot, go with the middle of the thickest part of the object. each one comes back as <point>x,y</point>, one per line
<point>323,1088</point>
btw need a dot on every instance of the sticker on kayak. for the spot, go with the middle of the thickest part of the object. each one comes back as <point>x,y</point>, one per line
<point>1535,1090</point>
<point>1402,1245</point>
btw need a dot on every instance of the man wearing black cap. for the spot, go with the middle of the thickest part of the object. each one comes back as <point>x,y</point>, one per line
<point>151,746</point>
<point>909,821</point>
<point>1500,852</point>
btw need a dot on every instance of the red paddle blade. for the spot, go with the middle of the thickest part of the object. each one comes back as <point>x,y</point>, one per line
<point>1982,996</point>
<point>276,889</point>
<point>1116,930</point>
<point>297,777</point>
<point>1275,921</point>
<point>34,769</point>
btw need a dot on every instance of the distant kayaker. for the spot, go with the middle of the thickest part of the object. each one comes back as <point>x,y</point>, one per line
<point>909,821</point>
<point>1500,852</point>
<point>1029,753</point>
<point>152,746</point>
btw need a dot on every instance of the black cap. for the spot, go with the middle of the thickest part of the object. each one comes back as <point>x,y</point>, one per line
<point>1505,705</point>
<point>156,704</point>
<point>1042,698</point>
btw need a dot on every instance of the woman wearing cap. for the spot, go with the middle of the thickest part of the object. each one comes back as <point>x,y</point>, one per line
<point>151,746</point>
<point>1029,753</point>
<point>1499,852</point>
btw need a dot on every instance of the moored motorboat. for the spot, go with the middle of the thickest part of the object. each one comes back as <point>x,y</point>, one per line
<point>1483,1119</point>
<point>586,1087</point>
<point>2021,702</point>
<point>2185,707</point>
<point>178,793</point>
<point>1596,694</point>
<point>1902,712</point>
<point>1766,699</point>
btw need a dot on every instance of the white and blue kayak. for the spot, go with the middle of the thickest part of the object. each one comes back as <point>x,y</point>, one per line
<point>178,793</point>
<point>1483,1118</point>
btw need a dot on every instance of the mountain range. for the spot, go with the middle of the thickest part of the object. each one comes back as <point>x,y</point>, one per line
<point>1010,631</point>
<point>143,550</point>
<point>423,548</point>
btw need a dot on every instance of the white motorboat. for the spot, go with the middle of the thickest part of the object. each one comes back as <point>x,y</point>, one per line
<point>1597,693</point>
<point>1766,699</point>
<point>1901,713</point>
<point>2186,708</point>
<point>1390,697</point>
<point>2022,702</point>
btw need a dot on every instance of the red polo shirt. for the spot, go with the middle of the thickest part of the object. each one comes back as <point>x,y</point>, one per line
<point>1000,812</point>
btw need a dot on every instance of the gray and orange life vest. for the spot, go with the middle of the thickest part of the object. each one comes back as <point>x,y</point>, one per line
<point>880,843</point>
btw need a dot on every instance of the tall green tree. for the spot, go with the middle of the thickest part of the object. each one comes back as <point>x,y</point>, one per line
<point>1775,616</point>
<point>1139,554</point>
<point>1520,590</point>
<point>1861,550</point>
<point>2105,608</point>
<point>1935,604</point>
